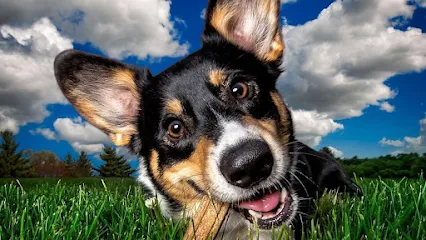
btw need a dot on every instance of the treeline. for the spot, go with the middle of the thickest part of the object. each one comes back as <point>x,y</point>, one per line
<point>409,165</point>
<point>45,164</point>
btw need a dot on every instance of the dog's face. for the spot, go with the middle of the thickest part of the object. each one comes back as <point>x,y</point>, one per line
<point>212,124</point>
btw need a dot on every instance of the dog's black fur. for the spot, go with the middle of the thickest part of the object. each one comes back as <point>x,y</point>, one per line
<point>136,109</point>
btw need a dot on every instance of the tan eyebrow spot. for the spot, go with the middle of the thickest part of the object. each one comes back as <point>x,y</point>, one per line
<point>217,77</point>
<point>174,106</point>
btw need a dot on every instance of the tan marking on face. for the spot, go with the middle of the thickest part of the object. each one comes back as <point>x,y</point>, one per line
<point>174,179</point>
<point>174,106</point>
<point>217,77</point>
<point>284,115</point>
<point>154,162</point>
<point>267,125</point>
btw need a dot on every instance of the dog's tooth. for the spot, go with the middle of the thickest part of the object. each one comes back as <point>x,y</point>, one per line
<point>255,214</point>
<point>268,216</point>
<point>283,195</point>
<point>281,208</point>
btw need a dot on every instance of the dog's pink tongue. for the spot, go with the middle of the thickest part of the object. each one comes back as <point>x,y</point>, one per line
<point>264,204</point>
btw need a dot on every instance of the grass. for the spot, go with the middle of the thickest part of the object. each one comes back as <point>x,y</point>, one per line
<point>115,209</point>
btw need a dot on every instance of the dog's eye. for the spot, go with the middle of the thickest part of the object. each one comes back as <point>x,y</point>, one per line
<point>175,129</point>
<point>240,90</point>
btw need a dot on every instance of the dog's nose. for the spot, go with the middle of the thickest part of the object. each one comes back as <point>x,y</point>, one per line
<point>247,164</point>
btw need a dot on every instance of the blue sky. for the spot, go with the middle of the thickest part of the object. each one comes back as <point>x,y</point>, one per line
<point>380,77</point>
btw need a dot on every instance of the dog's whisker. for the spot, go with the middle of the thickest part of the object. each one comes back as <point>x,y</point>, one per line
<point>298,179</point>
<point>308,178</point>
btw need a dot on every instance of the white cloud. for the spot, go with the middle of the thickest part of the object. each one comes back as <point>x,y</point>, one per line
<point>288,1</point>
<point>45,132</point>
<point>88,148</point>
<point>421,3</point>
<point>27,83</point>
<point>387,107</point>
<point>203,13</point>
<point>417,144</point>
<point>74,130</point>
<point>122,151</point>
<point>410,144</point>
<point>336,65</point>
<point>81,135</point>
<point>394,143</point>
<point>311,126</point>
<point>29,42</point>
<point>397,152</point>
<point>120,28</point>
<point>337,153</point>
<point>413,140</point>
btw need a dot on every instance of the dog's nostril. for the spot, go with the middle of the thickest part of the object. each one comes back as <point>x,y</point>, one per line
<point>240,178</point>
<point>247,164</point>
<point>265,168</point>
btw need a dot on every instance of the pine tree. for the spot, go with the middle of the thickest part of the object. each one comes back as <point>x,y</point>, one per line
<point>83,166</point>
<point>12,162</point>
<point>69,165</point>
<point>115,166</point>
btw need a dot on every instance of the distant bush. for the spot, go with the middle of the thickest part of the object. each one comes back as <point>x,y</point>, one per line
<point>409,165</point>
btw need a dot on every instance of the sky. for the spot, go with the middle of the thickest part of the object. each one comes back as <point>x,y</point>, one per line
<point>355,69</point>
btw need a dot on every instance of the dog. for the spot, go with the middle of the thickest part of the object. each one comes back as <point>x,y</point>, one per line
<point>212,124</point>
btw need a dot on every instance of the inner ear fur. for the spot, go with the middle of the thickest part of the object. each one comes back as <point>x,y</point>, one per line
<point>252,25</point>
<point>107,93</point>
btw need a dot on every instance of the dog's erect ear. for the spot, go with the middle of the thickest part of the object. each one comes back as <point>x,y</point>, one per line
<point>104,91</point>
<point>252,25</point>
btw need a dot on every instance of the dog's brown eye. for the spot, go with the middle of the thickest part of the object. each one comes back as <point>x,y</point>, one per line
<point>240,90</point>
<point>175,129</point>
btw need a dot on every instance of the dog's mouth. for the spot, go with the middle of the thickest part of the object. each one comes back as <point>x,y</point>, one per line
<point>268,210</point>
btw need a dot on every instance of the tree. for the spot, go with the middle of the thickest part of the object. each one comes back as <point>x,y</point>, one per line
<point>69,166</point>
<point>328,151</point>
<point>12,162</point>
<point>46,164</point>
<point>402,165</point>
<point>83,166</point>
<point>115,166</point>
<point>419,166</point>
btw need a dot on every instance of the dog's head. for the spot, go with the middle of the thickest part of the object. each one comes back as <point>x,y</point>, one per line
<point>212,124</point>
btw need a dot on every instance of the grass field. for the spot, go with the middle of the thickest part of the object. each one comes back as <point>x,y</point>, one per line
<point>91,209</point>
